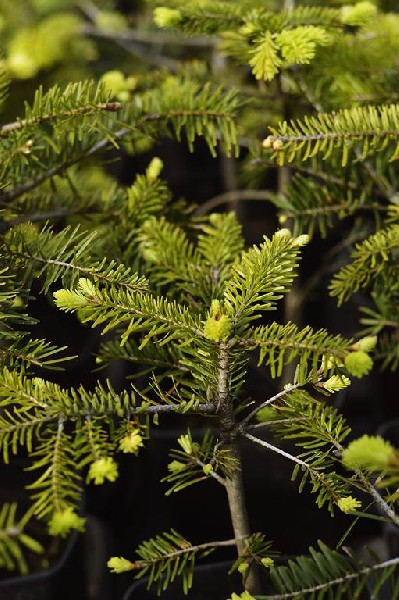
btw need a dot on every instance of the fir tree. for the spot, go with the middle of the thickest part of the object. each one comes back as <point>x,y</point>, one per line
<point>182,297</point>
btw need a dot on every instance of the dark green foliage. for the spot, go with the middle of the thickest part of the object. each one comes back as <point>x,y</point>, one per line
<point>14,539</point>
<point>327,572</point>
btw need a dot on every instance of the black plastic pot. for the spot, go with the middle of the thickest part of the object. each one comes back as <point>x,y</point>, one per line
<point>65,578</point>
<point>210,582</point>
<point>63,581</point>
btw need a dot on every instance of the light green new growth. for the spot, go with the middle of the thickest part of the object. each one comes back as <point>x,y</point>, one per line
<point>369,452</point>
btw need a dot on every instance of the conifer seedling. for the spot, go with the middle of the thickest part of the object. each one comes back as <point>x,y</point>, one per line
<point>178,294</point>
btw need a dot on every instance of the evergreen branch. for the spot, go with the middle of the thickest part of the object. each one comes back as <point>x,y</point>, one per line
<point>190,548</point>
<point>178,105</point>
<point>373,127</point>
<point>139,312</point>
<point>289,388</point>
<point>196,462</point>
<point>59,485</point>
<point>40,217</point>
<point>323,571</point>
<point>170,256</point>
<point>312,422</point>
<point>220,244</point>
<point>148,195</point>
<point>234,483</point>
<point>146,359</point>
<point>312,205</point>
<point>58,132</point>
<point>259,278</point>
<point>206,408</point>
<point>168,556</point>
<point>280,344</point>
<point>383,505</point>
<point>328,485</point>
<point>14,539</point>
<point>212,18</point>
<point>277,450</point>
<point>63,256</point>
<point>319,431</point>
<point>19,429</point>
<point>91,441</point>
<point>182,105</point>
<point>37,401</point>
<point>60,166</point>
<point>66,114</point>
<point>199,271</point>
<point>370,259</point>
<point>151,39</point>
<point>37,353</point>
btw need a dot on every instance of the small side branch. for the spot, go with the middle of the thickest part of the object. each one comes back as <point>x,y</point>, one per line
<point>281,394</point>
<point>333,582</point>
<point>82,110</point>
<point>231,197</point>
<point>189,549</point>
<point>290,457</point>
<point>382,504</point>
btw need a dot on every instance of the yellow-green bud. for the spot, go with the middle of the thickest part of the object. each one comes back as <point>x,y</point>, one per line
<point>166,17</point>
<point>358,363</point>
<point>242,567</point>
<point>369,452</point>
<point>154,169</point>
<point>131,442</point>
<point>217,329</point>
<point>267,562</point>
<point>367,344</point>
<point>18,302</point>
<point>113,81</point>
<point>103,469</point>
<point>216,309</point>
<point>359,14</point>
<point>284,232</point>
<point>217,326</point>
<point>64,521</point>
<point>272,141</point>
<point>207,469</point>
<point>348,504</point>
<point>119,565</point>
<point>301,240</point>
